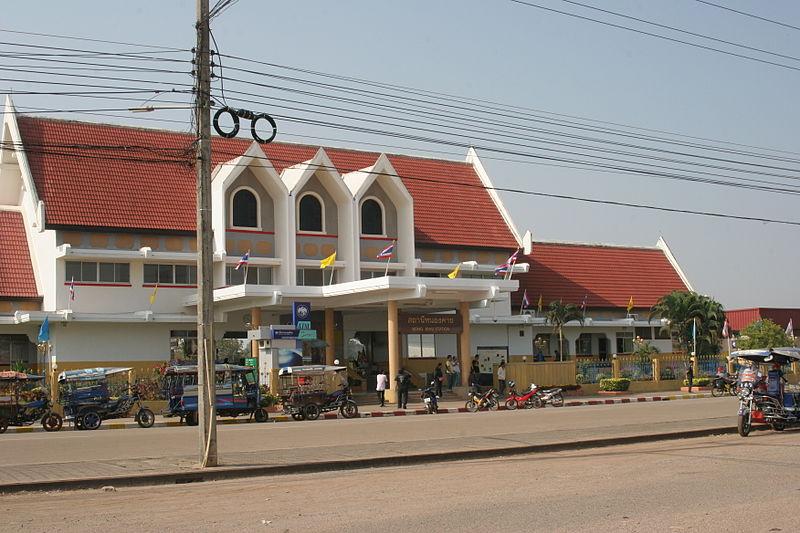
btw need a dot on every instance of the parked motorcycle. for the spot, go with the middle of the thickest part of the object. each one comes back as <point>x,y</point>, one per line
<point>490,400</point>
<point>429,398</point>
<point>553,397</point>
<point>527,401</point>
<point>723,386</point>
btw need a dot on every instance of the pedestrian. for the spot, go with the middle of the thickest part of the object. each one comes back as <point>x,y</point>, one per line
<point>501,377</point>
<point>476,365</point>
<point>448,370</point>
<point>438,377</point>
<point>456,371</point>
<point>403,380</point>
<point>473,380</point>
<point>690,376</point>
<point>381,381</point>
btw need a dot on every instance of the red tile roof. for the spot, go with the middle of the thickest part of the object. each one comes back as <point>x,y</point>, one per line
<point>606,275</point>
<point>83,184</point>
<point>738,319</point>
<point>16,272</point>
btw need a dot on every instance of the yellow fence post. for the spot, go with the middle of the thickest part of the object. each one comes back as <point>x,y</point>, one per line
<point>615,367</point>
<point>695,367</point>
<point>656,369</point>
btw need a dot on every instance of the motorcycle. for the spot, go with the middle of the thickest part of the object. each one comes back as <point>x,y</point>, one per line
<point>552,396</point>
<point>723,386</point>
<point>490,400</point>
<point>528,400</point>
<point>766,402</point>
<point>429,398</point>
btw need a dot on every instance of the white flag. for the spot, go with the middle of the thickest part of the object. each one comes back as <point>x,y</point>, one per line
<point>790,329</point>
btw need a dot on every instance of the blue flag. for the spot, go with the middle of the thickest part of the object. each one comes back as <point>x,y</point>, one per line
<point>44,331</point>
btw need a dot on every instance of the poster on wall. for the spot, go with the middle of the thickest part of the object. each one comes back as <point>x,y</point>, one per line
<point>491,356</point>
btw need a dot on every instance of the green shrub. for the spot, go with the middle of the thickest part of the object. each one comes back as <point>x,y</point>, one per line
<point>579,378</point>
<point>617,385</point>
<point>698,382</point>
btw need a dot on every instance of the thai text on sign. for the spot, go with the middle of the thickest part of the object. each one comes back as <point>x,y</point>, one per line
<point>430,323</point>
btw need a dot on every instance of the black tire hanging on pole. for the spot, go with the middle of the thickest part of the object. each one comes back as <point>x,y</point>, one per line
<point>271,123</point>
<point>234,131</point>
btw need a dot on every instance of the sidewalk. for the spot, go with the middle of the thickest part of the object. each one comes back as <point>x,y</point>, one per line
<point>167,455</point>
<point>369,409</point>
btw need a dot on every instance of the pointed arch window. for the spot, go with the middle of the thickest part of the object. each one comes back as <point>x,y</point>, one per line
<point>244,207</point>
<point>372,217</point>
<point>311,213</point>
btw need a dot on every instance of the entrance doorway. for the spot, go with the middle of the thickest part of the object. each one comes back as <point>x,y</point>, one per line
<point>602,348</point>
<point>373,356</point>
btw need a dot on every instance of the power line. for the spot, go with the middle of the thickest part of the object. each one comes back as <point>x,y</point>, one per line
<point>751,15</point>
<point>656,35</point>
<point>87,39</point>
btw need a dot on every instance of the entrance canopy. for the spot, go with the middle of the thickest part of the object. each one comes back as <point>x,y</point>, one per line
<point>407,291</point>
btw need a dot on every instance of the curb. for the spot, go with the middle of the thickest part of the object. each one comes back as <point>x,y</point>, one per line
<point>375,414</point>
<point>222,473</point>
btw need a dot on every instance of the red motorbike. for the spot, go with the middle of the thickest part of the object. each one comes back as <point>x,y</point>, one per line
<point>530,399</point>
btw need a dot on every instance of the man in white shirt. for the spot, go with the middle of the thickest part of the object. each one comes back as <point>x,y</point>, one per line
<point>380,387</point>
<point>501,377</point>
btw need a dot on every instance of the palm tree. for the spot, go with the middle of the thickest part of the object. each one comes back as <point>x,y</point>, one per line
<point>559,314</point>
<point>681,310</point>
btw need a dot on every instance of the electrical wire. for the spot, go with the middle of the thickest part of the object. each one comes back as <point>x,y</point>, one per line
<point>751,15</point>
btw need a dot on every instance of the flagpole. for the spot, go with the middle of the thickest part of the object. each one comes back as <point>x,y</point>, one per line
<point>694,336</point>
<point>331,281</point>
<point>386,272</point>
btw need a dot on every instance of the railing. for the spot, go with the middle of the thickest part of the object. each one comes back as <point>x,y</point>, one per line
<point>593,371</point>
<point>672,365</point>
<point>636,368</point>
<point>707,365</point>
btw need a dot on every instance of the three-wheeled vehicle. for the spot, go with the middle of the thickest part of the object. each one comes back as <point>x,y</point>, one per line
<point>308,391</point>
<point>237,392</point>
<point>89,397</point>
<point>765,399</point>
<point>23,402</point>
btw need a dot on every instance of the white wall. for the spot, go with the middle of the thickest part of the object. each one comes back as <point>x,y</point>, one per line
<point>84,341</point>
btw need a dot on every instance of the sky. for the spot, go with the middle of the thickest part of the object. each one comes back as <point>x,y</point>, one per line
<point>516,55</point>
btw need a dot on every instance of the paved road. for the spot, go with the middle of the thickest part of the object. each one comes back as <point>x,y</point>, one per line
<point>690,485</point>
<point>73,454</point>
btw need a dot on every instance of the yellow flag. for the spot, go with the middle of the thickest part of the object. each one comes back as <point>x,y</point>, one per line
<point>454,273</point>
<point>630,304</point>
<point>539,306</point>
<point>328,261</point>
<point>153,296</point>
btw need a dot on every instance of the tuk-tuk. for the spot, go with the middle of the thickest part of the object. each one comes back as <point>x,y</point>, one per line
<point>88,400</point>
<point>308,391</point>
<point>237,393</point>
<point>764,398</point>
<point>24,401</point>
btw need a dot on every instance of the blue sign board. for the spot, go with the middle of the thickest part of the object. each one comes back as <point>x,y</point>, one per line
<point>301,312</point>
<point>283,334</point>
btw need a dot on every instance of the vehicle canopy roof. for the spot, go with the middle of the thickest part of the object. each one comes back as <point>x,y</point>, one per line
<point>88,374</point>
<point>192,369</point>
<point>782,356</point>
<point>10,375</point>
<point>309,370</point>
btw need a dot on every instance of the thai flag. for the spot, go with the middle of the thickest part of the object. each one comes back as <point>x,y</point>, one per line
<point>525,302</point>
<point>72,289</point>
<point>513,258</point>
<point>501,269</point>
<point>725,331</point>
<point>243,261</point>
<point>387,252</point>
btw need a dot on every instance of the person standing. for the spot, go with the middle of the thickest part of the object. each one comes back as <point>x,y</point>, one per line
<point>381,381</point>
<point>438,377</point>
<point>690,375</point>
<point>456,371</point>
<point>448,370</point>
<point>476,365</point>
<point>403,380</point>
<point>501,378</point>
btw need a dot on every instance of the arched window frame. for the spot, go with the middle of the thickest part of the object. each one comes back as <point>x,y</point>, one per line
<point>383,217</point>
<point>258,209</point>
<point>322,211</point>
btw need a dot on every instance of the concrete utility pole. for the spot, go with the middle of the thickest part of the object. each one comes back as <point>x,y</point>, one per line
<point>206,382</point>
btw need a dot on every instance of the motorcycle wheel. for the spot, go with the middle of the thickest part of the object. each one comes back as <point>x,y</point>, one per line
<point>3,424</point>
<point>311,411</point>
<point>536,402</point>
<point>349,409</point>
<point>192,419</point>
<point>471,406</point>
<point>91,420</point>
<point>261,415</point>
<point>493,404</point>
<point>557,400</point>
<point>511,404</point>
<point>298,416</point>
<point>744,425</point>
<point>733,390</point>
<point>79,423</point>
<point>52,422</point>
<point>717,392</point>
<point>145,418</point>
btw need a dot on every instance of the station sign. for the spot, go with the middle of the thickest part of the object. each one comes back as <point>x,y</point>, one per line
<point>431,323</point>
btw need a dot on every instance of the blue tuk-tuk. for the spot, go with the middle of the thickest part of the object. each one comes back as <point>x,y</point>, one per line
<point>88,400</point>
<point>24,401</point>
<point>237,392</point>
